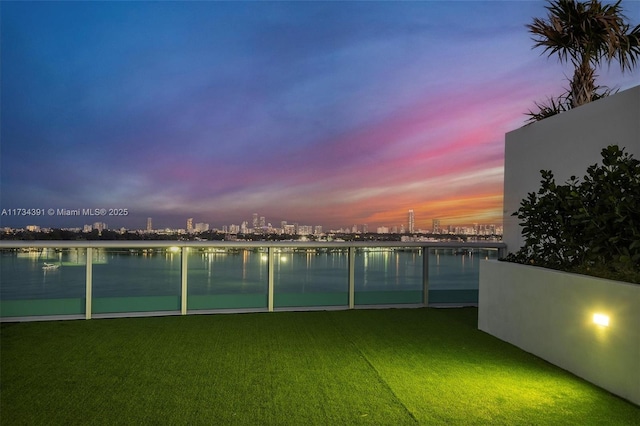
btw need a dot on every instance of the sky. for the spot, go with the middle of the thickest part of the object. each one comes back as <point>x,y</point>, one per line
<point>319,113</point>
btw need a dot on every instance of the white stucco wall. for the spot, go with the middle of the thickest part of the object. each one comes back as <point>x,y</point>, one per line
<point>566,144</point>
<point>550,314</point>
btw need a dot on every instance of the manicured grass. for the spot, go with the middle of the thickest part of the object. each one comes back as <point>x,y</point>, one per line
<point>379,367</point>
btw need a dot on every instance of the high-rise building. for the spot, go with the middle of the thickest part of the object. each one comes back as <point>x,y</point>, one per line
<point>202,227</point>
<point>436,226</point>
<point>254,222</point>
<point>149,224</point>
<point>305,230</point>
<point>412,222</point>
<point>100,226</point>
<point>190,224</point>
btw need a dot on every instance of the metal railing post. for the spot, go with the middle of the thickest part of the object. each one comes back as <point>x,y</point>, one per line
<point>425,276</point>
<point>352,277</point>
<point>88,283</point>
<point>271,283</point>
<point>183,276</point>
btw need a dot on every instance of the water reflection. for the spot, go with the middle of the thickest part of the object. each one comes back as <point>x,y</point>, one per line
<point>214,271</point>
<point>42,273</point>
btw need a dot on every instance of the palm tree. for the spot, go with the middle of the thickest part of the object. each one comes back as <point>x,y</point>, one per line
<point>586,34</point>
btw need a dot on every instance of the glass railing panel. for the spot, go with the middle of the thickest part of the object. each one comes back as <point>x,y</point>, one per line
<point>311,277</point>
<point>136,280</point>
<point>454,274</point>
<point>51,281</point>
<point>227,278</point>
<point>42,281</point>
<point>388,275</point>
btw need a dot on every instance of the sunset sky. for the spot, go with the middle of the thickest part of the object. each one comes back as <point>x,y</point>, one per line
<point>320,113</point>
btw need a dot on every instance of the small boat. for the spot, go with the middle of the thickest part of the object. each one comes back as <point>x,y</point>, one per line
<point>50,266</point>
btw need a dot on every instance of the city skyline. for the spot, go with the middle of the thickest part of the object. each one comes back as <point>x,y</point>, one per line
<point>261,225</point>
<point>330,113</point>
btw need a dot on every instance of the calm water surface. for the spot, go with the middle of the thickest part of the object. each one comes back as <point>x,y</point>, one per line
<point>130,273</point>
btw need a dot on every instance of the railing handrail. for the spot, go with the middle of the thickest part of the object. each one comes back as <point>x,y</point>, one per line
<point>6,244</point>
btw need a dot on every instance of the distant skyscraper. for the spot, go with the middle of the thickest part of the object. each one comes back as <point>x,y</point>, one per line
<point>255,221</point>
<point>190,224</point>
<point>100,226</point>
<point>412,221</point>
<point>149,224</point>
<point>202,227</point>
<point>436,226</point>
<point>305,230</point>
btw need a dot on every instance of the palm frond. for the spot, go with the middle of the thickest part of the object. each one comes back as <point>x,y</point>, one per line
<point>552,106</point>
<point>585,33</point>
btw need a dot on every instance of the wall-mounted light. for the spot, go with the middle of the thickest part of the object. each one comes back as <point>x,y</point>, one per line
<point>601,319</point>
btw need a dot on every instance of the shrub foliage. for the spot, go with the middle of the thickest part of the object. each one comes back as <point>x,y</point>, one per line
<point>589,226</point>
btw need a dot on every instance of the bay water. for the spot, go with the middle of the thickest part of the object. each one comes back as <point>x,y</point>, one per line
<point>157,272</point>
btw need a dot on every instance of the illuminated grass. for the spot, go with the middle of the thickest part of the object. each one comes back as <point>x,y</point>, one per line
<point>382,367</point>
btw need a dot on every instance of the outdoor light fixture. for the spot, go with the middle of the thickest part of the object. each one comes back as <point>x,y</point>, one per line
<point>601,319</point>
<point>174,249</point>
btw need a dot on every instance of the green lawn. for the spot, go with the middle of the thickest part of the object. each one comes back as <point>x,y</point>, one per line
<point>378,367</point>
